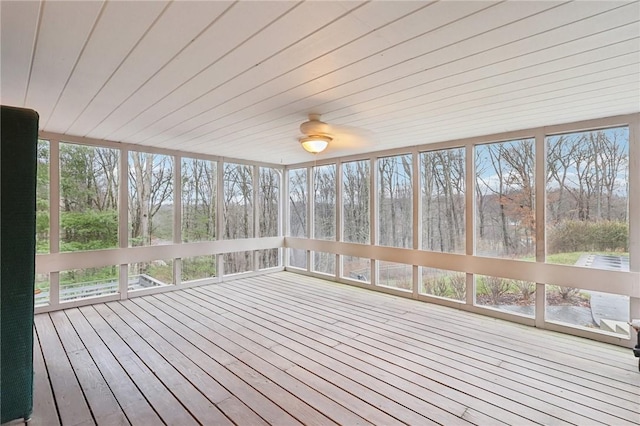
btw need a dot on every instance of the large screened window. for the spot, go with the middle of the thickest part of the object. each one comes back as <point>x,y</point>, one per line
<point>150,199</point>
<point>588,178</point>
<point>395,201</point>
<point>356,228</point>
<point>156,273</point>
<point>442,188</point>
<point>238,201</point>
<point>444,283</point>
<point>88,197</point>
<point>199,179</point>
<point>298,199</point>
<point>269,201</point>
<point>238,214</point>
<point>42,197</point>
<point>269,214</point>
<point>89,282</point>
<point>198,267</point>
<point>505,213</point>
<point>324,263</point>
<point>588,199</point>
<point>355,202</point>
<point>324,202</point>
<point>237,262</point>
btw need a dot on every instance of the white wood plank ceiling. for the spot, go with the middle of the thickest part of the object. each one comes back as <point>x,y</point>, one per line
<point>236,79</point>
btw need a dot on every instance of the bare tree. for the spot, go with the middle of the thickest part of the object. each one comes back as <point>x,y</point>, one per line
<point>356,201</point>
<point>324,202</point>
<point>198,200</point>
<point>443,200</point>
<point>238,213</point>
<point>504,180</point>
<point>150,188</point>
<point>268,199</point>
<point>395,201</point>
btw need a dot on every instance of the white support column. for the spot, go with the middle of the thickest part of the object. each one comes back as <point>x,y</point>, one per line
<point>417,215</point>
<point>310,213</point>
<point>285,228</point>
<point>255,177</point>
<point>634,213</point>
<point>470,217</point>
<point>281,210</point>
<point>123,220</point>
<point>220,214</point>
<point>541,220</point>
<point>338,216</point>
<point>54,218</point>
<point>177,216</point>
<point>373,215</point>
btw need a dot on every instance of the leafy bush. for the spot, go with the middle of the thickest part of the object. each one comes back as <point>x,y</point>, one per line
<point>568,292</point>
<point>495,287</point>
<point>458,281</point>
<point>526,288</point>
<point>90,230</point>
<point>452,285</point>
<point>581,236</point>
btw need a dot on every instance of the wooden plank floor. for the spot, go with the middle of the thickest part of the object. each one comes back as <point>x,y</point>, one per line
<point>287,349</point>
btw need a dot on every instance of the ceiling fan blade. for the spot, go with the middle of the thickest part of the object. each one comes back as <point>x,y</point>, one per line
<point>352,137</point>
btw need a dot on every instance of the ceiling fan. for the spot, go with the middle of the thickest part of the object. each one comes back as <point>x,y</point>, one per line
<point>318,135</point>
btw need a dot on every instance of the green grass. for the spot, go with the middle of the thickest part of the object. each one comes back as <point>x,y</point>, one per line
<point>564,258</point>
<point>572,257</point>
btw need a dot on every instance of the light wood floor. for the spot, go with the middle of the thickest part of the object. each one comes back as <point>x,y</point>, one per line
<point>287,349</point>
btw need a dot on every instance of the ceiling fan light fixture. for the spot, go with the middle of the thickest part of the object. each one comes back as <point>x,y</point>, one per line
<point>315,144</point>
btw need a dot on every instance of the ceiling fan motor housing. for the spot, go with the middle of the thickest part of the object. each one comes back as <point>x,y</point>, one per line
<point>315,127</point>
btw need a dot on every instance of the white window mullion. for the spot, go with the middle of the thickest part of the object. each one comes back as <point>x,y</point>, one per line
<point>373,214</point>
<point>470,216</point>
<point>54,219</point>
<point>285,220</point>
<point>177,216</point>
<point>310,213</point>
<point>255,177</point>
<point>338,261</point>
<point>634,211</point>
<point>123,220</point>
<point>540,217</point>
<point>220,215</point>
<point>417,215</point>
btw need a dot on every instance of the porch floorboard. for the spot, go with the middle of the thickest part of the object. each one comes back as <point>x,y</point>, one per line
<point>288,349</point>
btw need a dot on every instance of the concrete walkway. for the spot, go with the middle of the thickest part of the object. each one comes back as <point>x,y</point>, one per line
<point>605,306</point>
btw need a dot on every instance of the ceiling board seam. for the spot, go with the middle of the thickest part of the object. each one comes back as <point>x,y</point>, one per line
<point>475,54</point>
<point>550,114</point>
<point>164,66</point>
<point>75,65</point>
<point>422,111</point>
<point>296,5</point>
<point>341,68</point>
<point>418,72</point>
<point>33,51</point>
<point>119,65</point>
<point>477,90</point>
<point>283,73</point>
<point>485,78</point>
<point>381,69</point>
<point>475,81</point>
<point>516,91</point>
<point>498,109</point>
<point>405,127</point>
<point>421,71</point>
